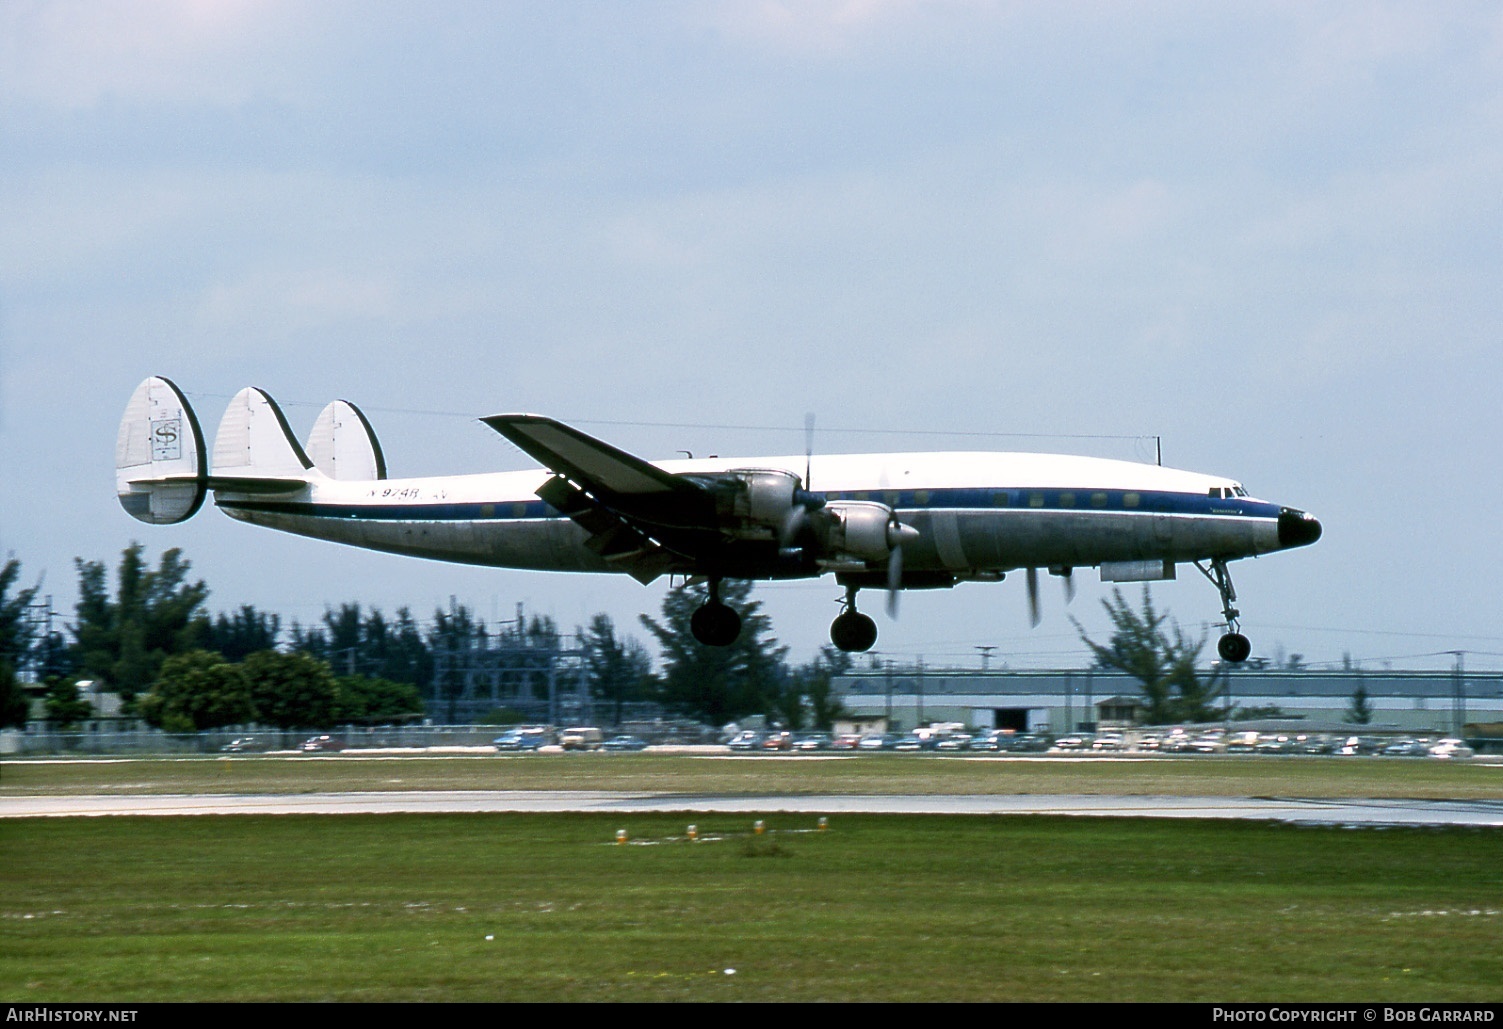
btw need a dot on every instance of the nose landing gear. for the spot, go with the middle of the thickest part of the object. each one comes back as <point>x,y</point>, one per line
<point>1233,647</point>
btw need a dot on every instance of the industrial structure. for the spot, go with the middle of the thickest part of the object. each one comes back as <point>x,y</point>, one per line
<point>902,697</point>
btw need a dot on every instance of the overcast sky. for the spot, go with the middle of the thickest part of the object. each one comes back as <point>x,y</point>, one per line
<point>1270,233</point>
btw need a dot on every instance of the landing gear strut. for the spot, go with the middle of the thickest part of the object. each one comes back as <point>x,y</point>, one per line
<point>851,630</point>
<point>714,623</point>
<point>1233,647</point>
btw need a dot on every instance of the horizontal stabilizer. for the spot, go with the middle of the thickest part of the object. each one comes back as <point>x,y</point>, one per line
<point>254,447</point>
<point>160,469</point>
<point>343,445</point>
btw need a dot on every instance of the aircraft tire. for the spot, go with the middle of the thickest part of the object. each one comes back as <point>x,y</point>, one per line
<point>1234,647</point>
<point>853,632</point>
<point>715,625</point>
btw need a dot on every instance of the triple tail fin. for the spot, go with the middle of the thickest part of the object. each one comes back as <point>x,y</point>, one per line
<point>343,445</point>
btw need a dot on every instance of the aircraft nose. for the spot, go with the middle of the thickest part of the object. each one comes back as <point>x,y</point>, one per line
<point>1297,528</point>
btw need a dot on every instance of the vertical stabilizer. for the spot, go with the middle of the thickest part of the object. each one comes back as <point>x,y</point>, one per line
<point>254,441</point>
<point>343,445</point>
<point>160,471</point>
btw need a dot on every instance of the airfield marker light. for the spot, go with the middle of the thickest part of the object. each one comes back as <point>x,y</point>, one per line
<point>620,836</point>
<point>758,828</point>
<point>694,832</point>
<point>824,823</point>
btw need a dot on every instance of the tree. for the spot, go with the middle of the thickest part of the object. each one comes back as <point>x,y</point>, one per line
<point>241,634</point>
<point>368,701</point>
<point>1163,662</point>
<point>717,684</point>
<point>196,691</point>
<point>15,644</point>
<point>619,669</point>
<point>292,691</point>
<point>813,684</point>
<point>154,614</point>
<point>65,708</point>
<point>15,629</point>
<point>1359,711</point>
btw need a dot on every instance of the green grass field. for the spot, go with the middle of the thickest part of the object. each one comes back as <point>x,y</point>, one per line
<point>877,908</point>
<point>864,774</point>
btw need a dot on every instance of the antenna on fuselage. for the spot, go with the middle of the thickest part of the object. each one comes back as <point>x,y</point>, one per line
<point>1158,450</point>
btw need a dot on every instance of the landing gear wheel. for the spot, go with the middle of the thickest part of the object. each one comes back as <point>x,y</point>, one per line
<point>1234,647</point>
<point>853,631</point>
<point>715,624</point>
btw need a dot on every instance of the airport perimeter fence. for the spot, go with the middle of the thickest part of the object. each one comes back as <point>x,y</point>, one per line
<point>41,741</point>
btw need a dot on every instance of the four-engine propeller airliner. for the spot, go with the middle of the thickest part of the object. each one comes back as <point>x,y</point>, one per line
<point>882,521</point>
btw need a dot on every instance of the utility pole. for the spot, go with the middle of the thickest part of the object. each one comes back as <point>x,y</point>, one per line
<point>1458,693</point>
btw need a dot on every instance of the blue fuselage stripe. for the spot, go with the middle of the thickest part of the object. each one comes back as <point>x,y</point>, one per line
<point>1082,501</point>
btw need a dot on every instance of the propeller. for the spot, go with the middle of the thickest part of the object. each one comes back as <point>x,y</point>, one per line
<point>894,579</point>
<point>897,535</point>
<point>1069,577</point>
<point>798,515</point>
<point>1033,597</point>
<point>808,448</point>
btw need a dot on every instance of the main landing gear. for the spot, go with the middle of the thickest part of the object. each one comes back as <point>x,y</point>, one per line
<point>1233,646</point>
<point>851,630</point>
<point>715,623</point>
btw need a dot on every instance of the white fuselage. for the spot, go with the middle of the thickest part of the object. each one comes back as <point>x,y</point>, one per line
<point>977,514</point>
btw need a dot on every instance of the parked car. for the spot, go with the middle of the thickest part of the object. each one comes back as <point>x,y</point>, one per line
<point>1074,741</point>
<point>878,741</point>
<point>747,739</point>
<point>846,741</point>
<point>777,741</point>
<point>581,737</point>
<point>1109,741</point>
<point>624,743</point>
<point>1450,747</point>
<point>322,744</point>
<point>245,745</point>
<point>813,741</point>
<point>988,742</point>
<point>521,739</point>
<point>953,741</point>
<point>1032,742</point>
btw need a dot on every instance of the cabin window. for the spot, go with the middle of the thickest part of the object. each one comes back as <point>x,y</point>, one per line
<point>999,498</point>
<point>891,496</point>
<point>1131,499</point>
<point>1214,492</point>
<point>921,498</point>
<point>1067,500</point>
<point>519,510</point>
<point>1035,500</point>
<point>1098,499</point>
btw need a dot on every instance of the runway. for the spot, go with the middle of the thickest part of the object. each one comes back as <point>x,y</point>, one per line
<point>1304,811</point>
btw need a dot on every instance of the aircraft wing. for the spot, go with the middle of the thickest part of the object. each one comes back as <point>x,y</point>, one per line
<point>635,512</point>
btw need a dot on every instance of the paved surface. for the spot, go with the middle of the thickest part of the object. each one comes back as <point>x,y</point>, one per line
<point>1303,811</point>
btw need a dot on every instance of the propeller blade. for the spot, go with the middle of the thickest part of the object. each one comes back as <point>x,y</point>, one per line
<point>1033,597</point>
<point>808,447</point>
<point>894,580</point>
<point>1069,585</point>
<point>793,524</point>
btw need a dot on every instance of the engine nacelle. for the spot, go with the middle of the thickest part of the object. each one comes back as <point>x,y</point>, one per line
<point>861,529</point>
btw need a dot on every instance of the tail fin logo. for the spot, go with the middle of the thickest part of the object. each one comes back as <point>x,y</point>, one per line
<point>167,439</point>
